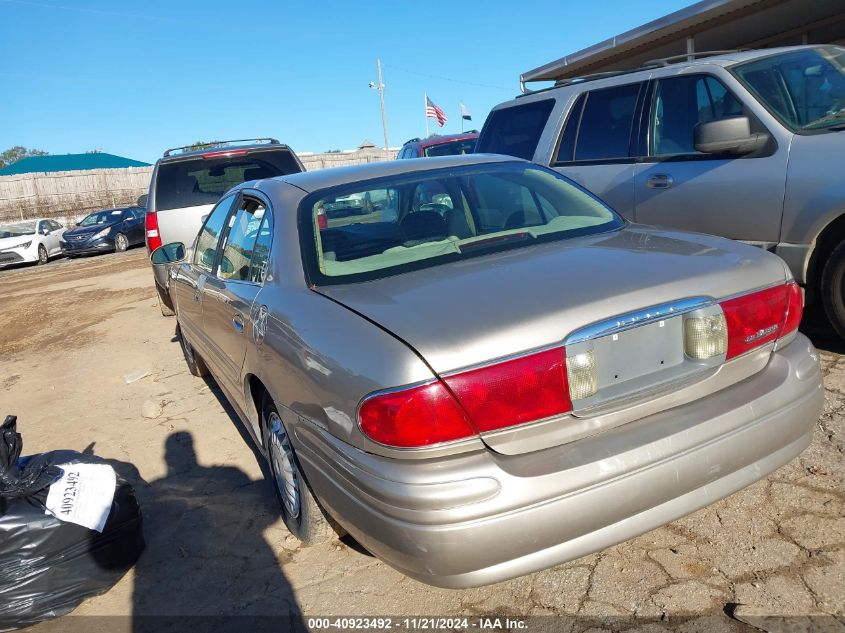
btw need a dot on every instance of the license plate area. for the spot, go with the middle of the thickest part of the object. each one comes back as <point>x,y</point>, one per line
<point>639,352</point>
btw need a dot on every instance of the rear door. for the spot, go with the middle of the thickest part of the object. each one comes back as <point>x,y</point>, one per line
<point>229,294</point>
<point>597,146</point>
<point>191,276</point>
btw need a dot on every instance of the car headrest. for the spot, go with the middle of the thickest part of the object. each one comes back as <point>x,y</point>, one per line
<point>423,225</point>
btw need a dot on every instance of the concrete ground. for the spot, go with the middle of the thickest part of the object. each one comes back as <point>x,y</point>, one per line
<point>71,331</point>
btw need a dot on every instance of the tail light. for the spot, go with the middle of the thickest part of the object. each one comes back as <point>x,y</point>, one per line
<point>462,405</point>
<point>322,220</point>
<point>151,231</point>
<point>761,317</point>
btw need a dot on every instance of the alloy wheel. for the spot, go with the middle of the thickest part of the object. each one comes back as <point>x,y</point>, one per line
<point>42,254</point>
<point>285,472</point>
<point>121,243</point>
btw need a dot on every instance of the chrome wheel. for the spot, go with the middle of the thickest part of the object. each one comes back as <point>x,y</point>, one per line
<point>121,243</point>
<point>284,468</point>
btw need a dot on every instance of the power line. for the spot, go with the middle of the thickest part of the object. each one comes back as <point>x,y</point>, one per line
<point>456,81</point>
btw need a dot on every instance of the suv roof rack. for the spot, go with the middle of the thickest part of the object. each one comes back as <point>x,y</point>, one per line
<point>674,59</point>
<point>653,63</point>
<point>412,140</point>
<point>213,144</point>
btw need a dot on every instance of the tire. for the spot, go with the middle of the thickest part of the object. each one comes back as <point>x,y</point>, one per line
<point>193,360</point>
<point>43,256</point>
<point>121,243</point>
<point>833,289</point>
<point>300,511</point>
<point>164,302</point>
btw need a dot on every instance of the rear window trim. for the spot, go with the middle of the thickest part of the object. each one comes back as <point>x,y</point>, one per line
<point>305,227</point>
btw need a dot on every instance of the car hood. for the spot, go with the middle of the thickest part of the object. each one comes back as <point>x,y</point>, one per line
<point>89,230</point>
<point>466,313</point>
<point>11,242</point>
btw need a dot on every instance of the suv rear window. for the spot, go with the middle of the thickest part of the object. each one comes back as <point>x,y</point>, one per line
<point>515,131</point>
<point>198,181</point>
<point>452,148</point>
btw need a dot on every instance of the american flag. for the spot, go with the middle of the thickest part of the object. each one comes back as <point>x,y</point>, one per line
<point>434,112</point>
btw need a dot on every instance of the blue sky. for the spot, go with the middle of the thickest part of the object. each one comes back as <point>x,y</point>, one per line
<point>133,78</point>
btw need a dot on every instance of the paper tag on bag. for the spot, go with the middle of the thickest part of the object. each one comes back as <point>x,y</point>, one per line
<point>83,495</point>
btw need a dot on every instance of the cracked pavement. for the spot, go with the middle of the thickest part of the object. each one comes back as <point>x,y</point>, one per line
<point>217,547</point>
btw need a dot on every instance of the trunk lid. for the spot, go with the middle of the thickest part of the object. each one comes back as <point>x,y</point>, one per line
<point>468,313</point>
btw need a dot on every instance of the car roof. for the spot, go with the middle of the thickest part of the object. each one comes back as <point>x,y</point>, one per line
<point>333,176</point>
<point>724,59</point>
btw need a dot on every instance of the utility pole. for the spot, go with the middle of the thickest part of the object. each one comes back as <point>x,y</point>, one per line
<point>380,88</point>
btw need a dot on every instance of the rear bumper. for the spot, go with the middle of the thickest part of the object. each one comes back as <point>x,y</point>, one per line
<point>483,517</point>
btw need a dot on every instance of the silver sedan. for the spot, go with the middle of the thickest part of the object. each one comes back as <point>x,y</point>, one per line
<point>488,372</point>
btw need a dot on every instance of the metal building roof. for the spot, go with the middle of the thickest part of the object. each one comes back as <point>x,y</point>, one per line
<point>706,25</point>
<point>69,162</point>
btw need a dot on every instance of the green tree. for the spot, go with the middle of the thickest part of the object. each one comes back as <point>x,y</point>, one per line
<point>14,154</point>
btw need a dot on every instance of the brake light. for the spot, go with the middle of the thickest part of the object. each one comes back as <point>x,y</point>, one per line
<point>151,231</point>
<point>322,220</point>
<point>419,416</point>
<point>514,392</point>
<point>761,317</point>
<point>225,153</point>
<point>795,308</point>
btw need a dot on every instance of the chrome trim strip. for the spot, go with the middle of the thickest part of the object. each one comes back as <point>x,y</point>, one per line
<point>630,320</point>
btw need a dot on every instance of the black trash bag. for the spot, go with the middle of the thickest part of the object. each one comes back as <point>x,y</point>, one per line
<point>47,565</point>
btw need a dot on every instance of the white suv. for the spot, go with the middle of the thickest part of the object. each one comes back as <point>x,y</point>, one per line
<point>187,182</point>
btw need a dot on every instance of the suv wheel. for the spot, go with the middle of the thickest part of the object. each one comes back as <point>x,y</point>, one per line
<point>833,289</point>
<point>300,511</point>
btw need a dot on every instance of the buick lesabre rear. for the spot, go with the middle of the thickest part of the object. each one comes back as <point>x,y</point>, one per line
<point>490,372</point>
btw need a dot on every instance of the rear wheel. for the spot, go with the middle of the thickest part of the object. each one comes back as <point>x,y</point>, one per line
<point>121,243</point>
<point>300,511</point>
<point>833,289</point>
<point>43,257</point>
<point>195,364</point>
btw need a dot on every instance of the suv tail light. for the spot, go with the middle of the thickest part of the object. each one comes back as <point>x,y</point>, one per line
<point>322,220</point>
<point>151,231</point>
<point>462,405</point>
<point>760,317</point>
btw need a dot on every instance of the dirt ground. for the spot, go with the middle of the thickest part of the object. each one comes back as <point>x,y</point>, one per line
<point>71,331</point>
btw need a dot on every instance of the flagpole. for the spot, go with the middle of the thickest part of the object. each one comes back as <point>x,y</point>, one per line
<point>461,113</point>
<point>425,110</point>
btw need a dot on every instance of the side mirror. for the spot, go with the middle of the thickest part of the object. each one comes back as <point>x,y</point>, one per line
<point>45,231</point>
<point>142,201</point>
<point>731,136</point>
<point>168,254</point>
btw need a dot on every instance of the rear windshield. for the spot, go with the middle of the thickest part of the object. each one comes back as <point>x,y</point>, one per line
<point>199,181</point>
<point>515,131</point>
<point>452,148</point>
<point>400,223</point>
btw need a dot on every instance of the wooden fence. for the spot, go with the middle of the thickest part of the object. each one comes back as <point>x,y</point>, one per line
<point>73,194</point>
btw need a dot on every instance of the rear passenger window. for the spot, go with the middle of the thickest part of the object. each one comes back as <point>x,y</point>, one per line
<point>210,234</point>
<point>240,240</point>
<point>515,131</point>
<point>566,150</point>
<point>605,130</point>
<point>261,251</point>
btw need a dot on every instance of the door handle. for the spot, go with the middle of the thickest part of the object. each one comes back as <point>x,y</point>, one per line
<point>237,323</point>
<point>660,181</point>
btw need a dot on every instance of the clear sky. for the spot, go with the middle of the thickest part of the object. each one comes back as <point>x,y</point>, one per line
<point>133,78</point>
